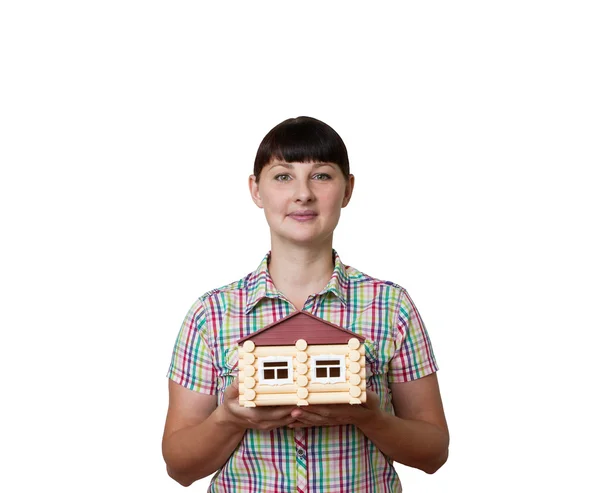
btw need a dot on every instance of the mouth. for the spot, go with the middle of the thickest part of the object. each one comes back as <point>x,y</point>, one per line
<point>303,215</point>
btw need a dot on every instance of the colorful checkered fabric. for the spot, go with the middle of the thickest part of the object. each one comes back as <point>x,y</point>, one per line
<point>316,459</point>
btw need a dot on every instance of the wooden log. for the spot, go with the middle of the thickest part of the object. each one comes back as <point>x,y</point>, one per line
<point>301,344</point>
<point>297,366</point>
<point>338,349</point>
<point>276,400</point>
<point>355,391</point>
<point>317,398</point>
<point>312,387</point>
<point>333,387</point>
<point>354,379</point>
<point>354,355</point>
<point>354,343</point>
<point>287,388</point>
<point>317,350</point>
<point>333,398</point>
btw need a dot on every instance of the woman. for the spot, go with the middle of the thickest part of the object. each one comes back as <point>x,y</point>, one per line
<point>302,181</point>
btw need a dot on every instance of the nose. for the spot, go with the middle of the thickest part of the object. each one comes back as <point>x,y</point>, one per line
<point>303,192</point>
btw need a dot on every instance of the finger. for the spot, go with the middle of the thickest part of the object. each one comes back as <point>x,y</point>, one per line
<point>324,410</point>
<point>272,424</point>
<point>372,397</point>
<point>233,390</point>
<point>277,412</point>
<point>311,424</point>
<point>310,419</point>
<point>298,424</point>
<point>265,414</point>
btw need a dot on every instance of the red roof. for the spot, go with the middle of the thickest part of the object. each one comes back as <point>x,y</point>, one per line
<point>300,325</point>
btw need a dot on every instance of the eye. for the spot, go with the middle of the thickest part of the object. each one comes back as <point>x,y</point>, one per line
<point>282,177</point>
<point>322,176</point>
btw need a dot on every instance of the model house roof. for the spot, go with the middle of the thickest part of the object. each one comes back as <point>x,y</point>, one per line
<point>300,325</point>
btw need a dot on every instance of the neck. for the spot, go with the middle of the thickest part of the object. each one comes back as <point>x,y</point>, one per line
<point>300,271</point>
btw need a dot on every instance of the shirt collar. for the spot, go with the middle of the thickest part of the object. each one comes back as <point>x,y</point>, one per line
<point>260,285</point>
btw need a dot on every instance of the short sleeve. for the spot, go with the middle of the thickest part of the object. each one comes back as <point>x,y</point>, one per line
<point>192,360</point>
<point>413,357</point>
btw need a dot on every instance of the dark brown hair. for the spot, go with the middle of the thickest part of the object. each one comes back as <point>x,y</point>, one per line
<point>302,139</point>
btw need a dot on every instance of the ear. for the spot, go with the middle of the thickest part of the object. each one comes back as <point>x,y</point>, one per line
<point>348,191</point>
<point>254,192</point>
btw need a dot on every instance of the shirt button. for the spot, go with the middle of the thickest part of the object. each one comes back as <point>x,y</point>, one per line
<point>301,453</point>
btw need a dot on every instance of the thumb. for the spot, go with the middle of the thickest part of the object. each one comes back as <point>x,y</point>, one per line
<point>372,400</point>
<point>233,390</point>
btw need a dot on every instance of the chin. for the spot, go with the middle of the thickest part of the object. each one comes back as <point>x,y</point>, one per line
<point>306,240</point>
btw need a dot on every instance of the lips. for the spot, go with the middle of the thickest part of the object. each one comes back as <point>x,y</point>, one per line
<point>303,214</point>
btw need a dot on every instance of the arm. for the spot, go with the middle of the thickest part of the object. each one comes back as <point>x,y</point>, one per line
<point>196,441</point>
<point>417,436</point>
<point>200,436</point>
<point>419,422</point>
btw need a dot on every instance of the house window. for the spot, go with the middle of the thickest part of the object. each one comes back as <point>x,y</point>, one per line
<point>275,371</point>
<point>328,369</point>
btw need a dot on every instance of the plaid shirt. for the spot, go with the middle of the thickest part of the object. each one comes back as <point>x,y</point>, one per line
<point>316,459</point>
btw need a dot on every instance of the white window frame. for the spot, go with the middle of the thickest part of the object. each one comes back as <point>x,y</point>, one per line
<point>275,359</point>
<point>313,368</point>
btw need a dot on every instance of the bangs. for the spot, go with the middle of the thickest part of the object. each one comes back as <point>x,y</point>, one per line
<point>303,139</point>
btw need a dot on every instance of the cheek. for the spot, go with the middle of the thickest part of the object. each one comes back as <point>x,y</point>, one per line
<point>270,203</point>
<point>333,200</point>
<point>273,204</point>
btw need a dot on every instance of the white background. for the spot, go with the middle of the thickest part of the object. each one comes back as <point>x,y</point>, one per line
<point>127,133</point>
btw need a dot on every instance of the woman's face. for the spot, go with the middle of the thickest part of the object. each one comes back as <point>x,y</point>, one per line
<point>302,201</point>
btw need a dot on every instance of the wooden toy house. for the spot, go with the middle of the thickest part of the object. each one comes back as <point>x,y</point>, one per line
<point>301,360</point>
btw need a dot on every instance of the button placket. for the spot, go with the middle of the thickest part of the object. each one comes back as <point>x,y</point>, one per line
<point>300,436</point>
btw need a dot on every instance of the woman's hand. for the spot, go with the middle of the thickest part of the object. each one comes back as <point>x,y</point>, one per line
<point>258,418</point>
<point>336,414</point>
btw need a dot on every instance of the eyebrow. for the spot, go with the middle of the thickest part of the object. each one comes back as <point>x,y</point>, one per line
<point>290,165</point>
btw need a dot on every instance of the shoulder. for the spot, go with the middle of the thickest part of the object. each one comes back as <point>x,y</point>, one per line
<point>233,288</point>
<point>358,278</point>
<point>211,307</point>
<point>387,295</point>
<point>224,297</point>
